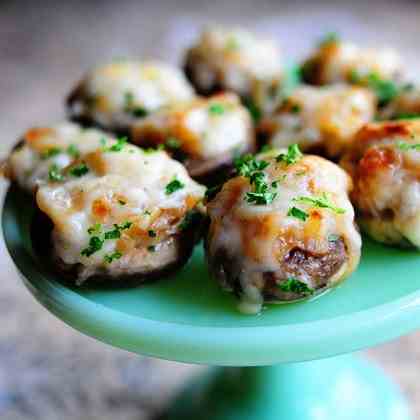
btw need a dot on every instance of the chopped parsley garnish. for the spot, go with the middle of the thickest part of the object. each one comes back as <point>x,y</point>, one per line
<point>52,151</point>
<point>147,212</point>
<point>118,146</point>
<point>329,38</point>
<point>216,109</point>
<point>402,145</point>
<point>321,202</point>
<point>116,232</point>
<point>253,109</point>
<point>73,151</point>
<point>173,143</point>
<point>95,244</point>
<point>406,116</point>
<point>79,170</point>
<point>122,202</point>
<point>251,168</point>
<point>54,174</point>
<point>96,228</point>
<point>295,108</point>
<point>292,156</point>
<point>292,285</point>
<point>131,108</point>
<point>173,186</point>
<point>298,214</point>
<point>108,258</point>
<point>266,148</point>
<point>385,90</point>
<point>151,248</point>
<point>151,233</point>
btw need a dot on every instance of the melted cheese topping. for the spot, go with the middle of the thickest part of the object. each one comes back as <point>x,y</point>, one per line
<point>235,59</point>
<point>111,94</point>
<point>123,186</point>
<point>204,128</point>
<point>325,118</point>
<point>337,61</point>
<point>44,147</point>
<point>261,236</point>
<point>387,180</point>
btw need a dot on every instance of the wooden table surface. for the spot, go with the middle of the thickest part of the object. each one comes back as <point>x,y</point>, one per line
<point>47,370</point>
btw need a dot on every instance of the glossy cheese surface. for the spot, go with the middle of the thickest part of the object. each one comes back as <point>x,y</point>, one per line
<point>201,128</point>
<point>325,118</point>
<point>260,238</point>
<point>385,165</point>
<point>128,188</point>
<point>113,94</point>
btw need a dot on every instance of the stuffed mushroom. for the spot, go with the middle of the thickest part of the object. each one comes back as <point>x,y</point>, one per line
<point>44,151</point>
<point>113,95</point>
<point>319,119</point>
<point>385,165</point>
<point>283,229</point>
<point>405,105</point>
<point>236,60</point>
<point>336,61</point>
<point>205,134</point>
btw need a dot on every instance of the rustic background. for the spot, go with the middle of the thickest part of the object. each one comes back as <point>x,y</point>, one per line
<point>47,370</point>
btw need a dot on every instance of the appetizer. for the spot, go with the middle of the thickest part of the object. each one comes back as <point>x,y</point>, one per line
<point>319,119</point>
<point>282,229</point>
<point>113,95</point>
<point>45,151</point>
<point>336,61</point>
<point>385,165</point>
<point>236,60</point>
<point>116,210</point>
<point>205,134</point>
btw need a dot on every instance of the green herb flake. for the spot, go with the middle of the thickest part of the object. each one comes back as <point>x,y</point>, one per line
<point>51,152</point>
<point>54,174</point>
<point>295,109</point>
<point>254,110</point>
<point>111,257</point>
<point>320,202</point>
<point>95,244</point>
<point>216,109</point>
<point>173,143</point>
<point>118,146</point>
<point>147,212</point>
<point>73,151</point>
<point>292,156</point>
<point>96,228</point>
<point>402,145</point>
<point>79,170</point>
<point>406,116</point>
<point>122,202</point>
<point>151,233</point>
<point>151,248</point>
<point>116,232</point>
<point>292,285</point>
<point>298,214</point>
<point>173,186</point>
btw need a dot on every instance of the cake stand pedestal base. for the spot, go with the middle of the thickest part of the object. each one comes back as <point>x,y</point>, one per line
<point>340,388</point>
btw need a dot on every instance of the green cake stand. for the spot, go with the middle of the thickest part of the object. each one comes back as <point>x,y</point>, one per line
<point>274,366</point>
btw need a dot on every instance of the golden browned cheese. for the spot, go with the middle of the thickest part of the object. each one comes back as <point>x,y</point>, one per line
<point>385,165</point>
<point>263,239</point>
<point>337,62</point>
<point>112,95</point>
<point>43,148</point>
<point>324,119</point>
<point>131,201</point>
<point>233,59</point>
<point>212,129</point>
